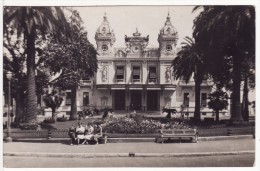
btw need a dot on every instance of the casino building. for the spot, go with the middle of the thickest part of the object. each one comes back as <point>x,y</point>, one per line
<point>136,77</point>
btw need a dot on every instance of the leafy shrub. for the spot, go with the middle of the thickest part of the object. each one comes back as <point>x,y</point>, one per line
<point>137,124</point>
<point>62,119</point>
<point>46,126</point>
<point>29,126</point>
<point>15,125</point>
<point>176,125</point>
<point>40,110</point>
<point>49,121</point>
<point>131,126</point>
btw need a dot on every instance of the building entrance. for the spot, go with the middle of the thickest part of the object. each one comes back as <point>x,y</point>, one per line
<point>136,100</point>
<point>152,100</point>
<point>119,99</point>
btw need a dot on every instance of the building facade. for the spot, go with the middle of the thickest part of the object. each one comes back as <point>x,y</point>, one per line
<point>137,77</point>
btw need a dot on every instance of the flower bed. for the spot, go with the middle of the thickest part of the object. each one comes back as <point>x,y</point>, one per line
<point>140,125</point>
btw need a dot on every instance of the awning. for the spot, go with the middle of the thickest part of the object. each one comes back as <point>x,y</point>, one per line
<point>152,75</point>
<point>153,87</point>
<point>136,71</point>
<point>135,87</point>
<point>118,87</point>
<point>119,70</point>
<point>103,87</point>
<point>169,87</point>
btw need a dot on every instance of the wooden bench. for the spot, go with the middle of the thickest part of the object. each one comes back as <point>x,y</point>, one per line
<point>179,134</point>
<point>48,134</point>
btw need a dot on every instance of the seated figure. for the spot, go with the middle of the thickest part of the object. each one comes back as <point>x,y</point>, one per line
<point>97,133</point>
<point>80,130</point>
<point>72,134</point>
<point>89,132</point>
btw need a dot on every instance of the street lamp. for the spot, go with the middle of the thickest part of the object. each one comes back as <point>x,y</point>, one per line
<point>9,77</point>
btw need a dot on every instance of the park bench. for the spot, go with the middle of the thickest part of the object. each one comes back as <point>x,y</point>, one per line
<point>179,134</point>
<point>48,135</point>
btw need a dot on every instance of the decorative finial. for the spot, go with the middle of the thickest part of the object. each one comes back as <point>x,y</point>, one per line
<point>136,33</point>
<point>168,17</point>
<point>105,16</point>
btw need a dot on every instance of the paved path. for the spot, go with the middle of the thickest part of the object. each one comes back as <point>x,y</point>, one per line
<point>142,147</point>
<point>203,161</point>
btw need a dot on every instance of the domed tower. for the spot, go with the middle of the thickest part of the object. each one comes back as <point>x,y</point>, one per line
<point>105,38</point>
<point>167,39</point>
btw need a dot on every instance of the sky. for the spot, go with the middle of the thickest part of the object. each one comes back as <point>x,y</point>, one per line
<point>148,19</point>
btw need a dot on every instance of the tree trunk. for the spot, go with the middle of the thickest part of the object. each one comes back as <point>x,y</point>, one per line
<point>73,114</point>
<point>217,116</point>
<point>19,112</point>
<point>245,100</point>
<point>31,103</point>
<point>236,115</point>
<point>168,115</point>
<point>53,113</point>
<point>197,100</point>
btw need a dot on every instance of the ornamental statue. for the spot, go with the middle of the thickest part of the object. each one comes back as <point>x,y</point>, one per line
<point>168,75</point>
<point>104,73</point>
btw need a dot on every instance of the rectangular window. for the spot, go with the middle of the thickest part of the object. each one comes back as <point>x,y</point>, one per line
<point>68,98</point>
<point>152,74</point>
<point>85,79</point>
<point>186,99</point>
<point>120,73</point>
<point>203,99</point>
<point>136,74</point>
<point>85,98</point>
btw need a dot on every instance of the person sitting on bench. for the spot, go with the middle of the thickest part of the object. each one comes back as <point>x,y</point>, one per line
<point>97,133</point>
<point>80,130</point>
<point>89,133</point>
<point>72,134</point>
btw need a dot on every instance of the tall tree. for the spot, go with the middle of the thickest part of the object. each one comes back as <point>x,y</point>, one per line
<point>188,63</point>
<point>28,22</point>
<point>13,60</point>
<point>73,61</point>
<point>227,33</point>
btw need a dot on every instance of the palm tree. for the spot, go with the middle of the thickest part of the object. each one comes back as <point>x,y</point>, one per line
<point>227,33</point>
<point>29,22</point>
<point>189,62</point>
<point>53,101</point>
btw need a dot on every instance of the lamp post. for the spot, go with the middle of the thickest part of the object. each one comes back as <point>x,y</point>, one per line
<point>9,77</point>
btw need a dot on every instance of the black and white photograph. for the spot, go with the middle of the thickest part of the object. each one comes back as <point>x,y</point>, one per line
<point>104,85</point>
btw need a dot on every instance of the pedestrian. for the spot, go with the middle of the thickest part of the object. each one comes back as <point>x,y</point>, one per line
<point>105,115</point>
<point>80,130</point>
<point>72,134</point>
<point>182,111</point>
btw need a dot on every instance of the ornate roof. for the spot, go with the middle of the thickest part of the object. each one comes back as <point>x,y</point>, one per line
<point>168,29</point>
<point>136,37</point>
<point>105,30</point>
